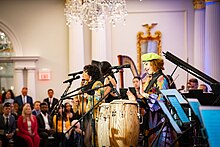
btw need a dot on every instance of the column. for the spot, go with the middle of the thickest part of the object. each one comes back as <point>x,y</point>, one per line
<point>212,38</point>
<point>76,50</point>
<point>31,83</point>
<point>99,45</point>
<point>199,34</point>
<point>18,81</point>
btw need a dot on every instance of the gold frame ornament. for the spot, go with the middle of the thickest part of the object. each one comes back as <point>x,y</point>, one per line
<point>152,43</point>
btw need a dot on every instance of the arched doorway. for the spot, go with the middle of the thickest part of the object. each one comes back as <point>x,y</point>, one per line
<point>23,68</point>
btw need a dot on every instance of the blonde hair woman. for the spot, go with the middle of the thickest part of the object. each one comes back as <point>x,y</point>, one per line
<point>27,127</point>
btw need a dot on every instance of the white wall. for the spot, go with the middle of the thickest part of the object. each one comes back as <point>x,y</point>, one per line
<point>175,23</point>
<point>40,27</point>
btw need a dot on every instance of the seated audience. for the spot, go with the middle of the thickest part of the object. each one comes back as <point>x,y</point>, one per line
<point>7,125</point>
<point>45,124</point>
<point>27,127</point>
<point>36,109</point>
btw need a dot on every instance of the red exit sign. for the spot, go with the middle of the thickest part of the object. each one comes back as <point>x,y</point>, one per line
<point>44,75</point>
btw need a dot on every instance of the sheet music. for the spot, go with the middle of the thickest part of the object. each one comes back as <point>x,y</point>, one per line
<point>176,93</point>
<point>172,121</point>
<point>194,104</point>
<point>211,120</point>
<point>180,112</point>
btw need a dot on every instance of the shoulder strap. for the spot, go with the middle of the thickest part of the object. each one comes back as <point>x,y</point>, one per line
<point>151,83</point>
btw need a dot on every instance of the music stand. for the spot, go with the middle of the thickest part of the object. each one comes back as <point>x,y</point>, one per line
<point>175,99</point>
<point>169,116</point>
<point>194,104</point>
<point>176,93</point>
<point>210,117</point>
<point>179,110</point>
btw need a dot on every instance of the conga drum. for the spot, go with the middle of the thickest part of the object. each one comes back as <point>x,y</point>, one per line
<point>103,125</point>
<point>124,123</point>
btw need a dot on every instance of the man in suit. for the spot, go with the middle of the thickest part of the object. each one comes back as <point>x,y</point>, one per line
<point>51,101</point>
<point>44,124</point>
<point>7,125</point>
<point>24,98</point>
<point>36,109</point>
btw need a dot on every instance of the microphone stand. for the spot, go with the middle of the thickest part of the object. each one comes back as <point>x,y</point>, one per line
<point>56,108</point>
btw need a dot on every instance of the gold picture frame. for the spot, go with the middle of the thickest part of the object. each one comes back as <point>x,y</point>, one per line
<point>147,43</point>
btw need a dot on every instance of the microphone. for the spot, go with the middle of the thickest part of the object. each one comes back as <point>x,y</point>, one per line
<point>121,66</point>
<point>75,73</point>
<point>70,80</point>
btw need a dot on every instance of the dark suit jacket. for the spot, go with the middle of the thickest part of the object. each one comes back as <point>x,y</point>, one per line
<point>41,123</point>
<point>55,101</point>
<point>12,124</point>
<point>19,100</point>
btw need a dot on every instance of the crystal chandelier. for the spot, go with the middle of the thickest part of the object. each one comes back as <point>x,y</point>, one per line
<point>93,13</point>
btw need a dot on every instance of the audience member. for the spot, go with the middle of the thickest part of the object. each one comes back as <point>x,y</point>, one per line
<point>15,110</point>
<point>51,100</point>
<point>7,124</point>
<point>24,98</point>
<point>27,127</point>
<point>45,124</point>
<point>36,109</point>
<point>58,120</point>
<point>69,111</point>
<point>8,96</point>
<point>77,113</point>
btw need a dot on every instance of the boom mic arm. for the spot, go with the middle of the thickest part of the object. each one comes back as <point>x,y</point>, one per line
<point>71,80</point>
<point>121,66</point>
<point>75,73</point>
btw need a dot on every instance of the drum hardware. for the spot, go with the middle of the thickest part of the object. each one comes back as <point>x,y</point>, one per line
<point>122,115</point>
<point>113,113</point>
<point>140,117</point>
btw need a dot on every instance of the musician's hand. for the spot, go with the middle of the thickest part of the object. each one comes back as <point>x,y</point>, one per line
<point>142,90</point>
<point>131,96</point>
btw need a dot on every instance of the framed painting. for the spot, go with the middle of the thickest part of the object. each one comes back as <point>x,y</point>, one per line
<point>147,43</point>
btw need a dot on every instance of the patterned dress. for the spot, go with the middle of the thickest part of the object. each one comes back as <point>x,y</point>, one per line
<point>92,97</point>
<point>155,117</point>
